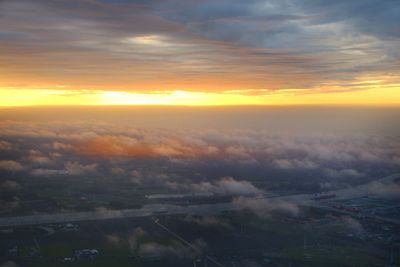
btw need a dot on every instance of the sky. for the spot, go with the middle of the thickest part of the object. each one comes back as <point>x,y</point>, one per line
<point>199,52</point>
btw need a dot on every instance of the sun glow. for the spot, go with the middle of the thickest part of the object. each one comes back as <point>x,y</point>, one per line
<point>153,40</point>
<point>37,97</point>
<point>371,92</point>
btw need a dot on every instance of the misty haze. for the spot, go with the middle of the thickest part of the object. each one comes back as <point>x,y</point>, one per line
<point>199,133</point>
<point>228,187</point>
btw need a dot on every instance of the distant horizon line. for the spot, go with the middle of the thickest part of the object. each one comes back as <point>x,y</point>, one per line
<point>198,106</point>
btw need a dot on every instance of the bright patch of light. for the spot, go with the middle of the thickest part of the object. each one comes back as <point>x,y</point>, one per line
<point>154,40</point>
<point>369,91</point>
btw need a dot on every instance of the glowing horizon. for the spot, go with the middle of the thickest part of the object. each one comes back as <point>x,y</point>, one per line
<point>198,53</point>
<point>12,97</point>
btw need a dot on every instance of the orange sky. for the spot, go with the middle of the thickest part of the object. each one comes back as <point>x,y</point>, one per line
<point>197,53</point>
<point>373,95</point>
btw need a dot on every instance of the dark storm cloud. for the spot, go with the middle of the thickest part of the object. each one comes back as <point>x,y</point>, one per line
<point>271,44</point>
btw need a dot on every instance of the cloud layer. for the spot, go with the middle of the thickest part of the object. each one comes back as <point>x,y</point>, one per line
<point>240,165</point>
<point>231,158</point>
<point>254,46</point>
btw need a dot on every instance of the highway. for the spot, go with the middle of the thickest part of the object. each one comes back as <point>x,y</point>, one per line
<point>204,209</point>
<point>147,210</point>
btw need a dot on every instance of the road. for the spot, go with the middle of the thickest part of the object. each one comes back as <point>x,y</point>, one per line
<point>187,243</point>
<point>147,210</point>
<point>204,209</point>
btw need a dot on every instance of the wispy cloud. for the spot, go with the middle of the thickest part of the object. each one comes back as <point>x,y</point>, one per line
<point>215,46</point>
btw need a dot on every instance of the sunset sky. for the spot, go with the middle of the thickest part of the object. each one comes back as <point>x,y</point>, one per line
<point>199,52</point>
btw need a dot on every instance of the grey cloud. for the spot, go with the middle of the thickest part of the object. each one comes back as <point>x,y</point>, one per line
<point>294,164</point>
<point>222,186</point>
<point>265,208</point>
<point>43,172</point>
<point>4,145</point>
<point>11,165</point>
<point>207,221</point>
<point>344,173</point>
<point>61,146</point>
<point>173,249</point>
<point>9,186</point>
<point>75,168</point>
<point>353,224</point>
<point>299,44</point>
<point>133,238</point>
<point>371,16</point>
<point>143,247</point>
<point>249,156</point>
<point>152,248</point>
<point>6,206</point>
<point>389,191</point>
<point>117,171</point>
<point>113,239</point>
<point>37,157</point>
